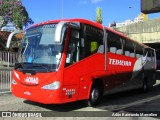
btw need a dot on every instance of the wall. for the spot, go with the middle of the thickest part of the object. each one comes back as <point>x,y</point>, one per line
<point>144,32</point>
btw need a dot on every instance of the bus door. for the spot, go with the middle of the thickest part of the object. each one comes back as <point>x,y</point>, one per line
<point>70,78</point>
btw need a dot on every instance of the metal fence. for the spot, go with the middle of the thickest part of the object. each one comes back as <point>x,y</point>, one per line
<point>8,58</point>
<point>5,80</point>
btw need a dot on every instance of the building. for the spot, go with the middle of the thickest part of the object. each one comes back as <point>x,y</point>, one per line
<point>146,32</point>
<point>140,18</point>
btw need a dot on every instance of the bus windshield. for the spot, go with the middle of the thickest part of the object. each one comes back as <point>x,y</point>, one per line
<point>38,49</point>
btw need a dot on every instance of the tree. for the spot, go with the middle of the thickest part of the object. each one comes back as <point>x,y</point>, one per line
<point>14,11</point>
<point>99,15</point>
<point>2,21</point>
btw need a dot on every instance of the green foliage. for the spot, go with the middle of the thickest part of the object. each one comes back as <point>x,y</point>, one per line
<point>2,21</point>
<point>99,15</point>
<point>14,11</point>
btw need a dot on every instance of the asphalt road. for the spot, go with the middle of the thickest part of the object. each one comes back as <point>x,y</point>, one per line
<point>130,102</point>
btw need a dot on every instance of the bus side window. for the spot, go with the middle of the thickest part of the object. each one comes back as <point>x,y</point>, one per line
<point>153,56</point>
<point>149,55</point>
<point>127,53</point>
<point>91,42</point>
<point>119,51</point>
<point>113,49</point>
<point>147,52</point>
<point>93,47</point>
<point>114,43</point>
<point>138,50</point>
<point>129,48</point>
<point>100,49</point>
<point>137,55</point>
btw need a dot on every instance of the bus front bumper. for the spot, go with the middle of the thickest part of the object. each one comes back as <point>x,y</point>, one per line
<point>37,95</point>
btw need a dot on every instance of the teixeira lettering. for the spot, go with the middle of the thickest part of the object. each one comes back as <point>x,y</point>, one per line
<point>119,62</point>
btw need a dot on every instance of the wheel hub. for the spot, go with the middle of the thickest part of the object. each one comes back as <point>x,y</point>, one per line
<point>95,95</point>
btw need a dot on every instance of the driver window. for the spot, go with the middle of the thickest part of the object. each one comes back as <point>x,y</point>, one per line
<point>73,48</point>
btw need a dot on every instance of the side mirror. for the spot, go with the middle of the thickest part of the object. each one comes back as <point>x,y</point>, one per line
<point>10,38</point>
<point>60,27</point>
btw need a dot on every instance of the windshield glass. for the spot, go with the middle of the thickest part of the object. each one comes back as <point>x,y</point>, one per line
<point>39,50</point>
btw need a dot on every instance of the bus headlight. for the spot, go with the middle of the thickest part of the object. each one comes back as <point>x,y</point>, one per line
<point>14,82</point>
<point>53,86</point>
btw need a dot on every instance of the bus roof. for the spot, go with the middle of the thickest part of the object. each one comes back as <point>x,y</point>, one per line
<point>96,24</point>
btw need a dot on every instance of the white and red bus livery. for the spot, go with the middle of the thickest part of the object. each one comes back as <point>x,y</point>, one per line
<point>68,60</point>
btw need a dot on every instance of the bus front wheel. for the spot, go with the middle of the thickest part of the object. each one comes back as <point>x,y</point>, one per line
<point>95,95</point>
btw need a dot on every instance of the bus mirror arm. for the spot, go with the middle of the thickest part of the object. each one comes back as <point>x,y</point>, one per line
<point>75,25</point>
<point>10,37</point>
<point>59,29</point>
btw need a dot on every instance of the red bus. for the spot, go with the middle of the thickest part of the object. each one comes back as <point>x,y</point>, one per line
<point>68,60</point>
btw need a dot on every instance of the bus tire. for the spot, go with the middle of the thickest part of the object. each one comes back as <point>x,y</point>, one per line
<point>145,86</point>
<point>96,95</point>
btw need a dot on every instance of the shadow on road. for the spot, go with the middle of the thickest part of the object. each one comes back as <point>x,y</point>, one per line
<point>158,74</point>
<point>128,101</point>
<point>60,107</point>
<point>134,100</point>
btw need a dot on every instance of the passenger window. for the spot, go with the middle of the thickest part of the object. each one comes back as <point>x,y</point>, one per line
<point>93,47</point>
<point>150,55</point>
<point>127,53</point>
<point>153,55</point>
<point>139,50</point>
<point>113,49</point>
<point>114,43</point>
<point>100,49</point>
<point>92,41</point>
<point>129,48</point>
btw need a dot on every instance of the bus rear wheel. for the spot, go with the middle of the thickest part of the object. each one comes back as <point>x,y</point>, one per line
<point>145,86</point>
<point>95,96</point>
